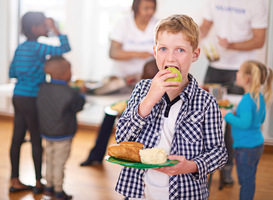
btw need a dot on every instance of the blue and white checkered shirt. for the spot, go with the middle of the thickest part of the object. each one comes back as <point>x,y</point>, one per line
<point>198,136</point>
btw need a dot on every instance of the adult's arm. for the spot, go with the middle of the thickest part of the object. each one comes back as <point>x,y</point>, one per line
<point>204,28</point>
<point>257,41</point>
<point>116,52</point>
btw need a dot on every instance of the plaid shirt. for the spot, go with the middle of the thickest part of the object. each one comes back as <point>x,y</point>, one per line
<point>197,136</point>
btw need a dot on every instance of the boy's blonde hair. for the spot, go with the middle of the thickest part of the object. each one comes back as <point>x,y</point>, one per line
<point>261,80</point>
<point>179,23</point>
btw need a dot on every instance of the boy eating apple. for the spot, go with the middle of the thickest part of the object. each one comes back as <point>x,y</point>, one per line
<point>177,116</point>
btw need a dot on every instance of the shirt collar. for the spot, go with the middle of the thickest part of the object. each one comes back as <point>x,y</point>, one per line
<point>190,89</point>
<point>59,81</point>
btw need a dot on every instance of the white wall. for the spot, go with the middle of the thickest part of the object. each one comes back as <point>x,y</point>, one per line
<point>4,44</point>
<point>268,125</point>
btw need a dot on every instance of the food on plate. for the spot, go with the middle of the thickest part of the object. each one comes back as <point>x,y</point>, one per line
<point>211,53</point>
<point>133,151</point>
<point>119,107</point>
<point>212,86</point>
<point>153,156</point>
<point>79,83</point>
<point>224,103</point>
<point>178,78</point>
<point>132,143</point>
<point>127,150</point>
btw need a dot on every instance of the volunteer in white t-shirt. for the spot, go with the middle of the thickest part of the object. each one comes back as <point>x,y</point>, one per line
<point>131,48</point>
<point>132,40</point>
<point>240,29</point>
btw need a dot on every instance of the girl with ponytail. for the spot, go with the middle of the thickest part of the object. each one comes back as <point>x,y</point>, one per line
<point>248,140</point>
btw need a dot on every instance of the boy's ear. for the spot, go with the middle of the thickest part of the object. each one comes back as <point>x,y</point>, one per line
<point>196,54</point>
<point>154,50</point>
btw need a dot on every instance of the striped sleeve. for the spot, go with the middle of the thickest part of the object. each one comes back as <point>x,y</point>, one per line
<point>12,73</point>
<point>44,49</point>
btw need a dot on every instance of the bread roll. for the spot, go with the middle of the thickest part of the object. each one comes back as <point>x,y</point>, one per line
<point>224,102</point>
<point>126,150</point>
<point>153,156</point>
<point>132,143</point>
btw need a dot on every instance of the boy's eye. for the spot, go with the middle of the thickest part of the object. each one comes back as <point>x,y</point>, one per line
<point>162,49</point>
<point>180,50</point>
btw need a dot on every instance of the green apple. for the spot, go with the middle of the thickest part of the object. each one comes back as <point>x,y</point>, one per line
<point>178,78</point>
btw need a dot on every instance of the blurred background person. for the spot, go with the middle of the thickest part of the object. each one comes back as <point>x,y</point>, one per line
<point>132,41</point>
<point>27,67</point>
<point>57,105</point>
<point>131,47</point>
<point>240,28</point>
<point>256,79</point>
<point>98,151</point>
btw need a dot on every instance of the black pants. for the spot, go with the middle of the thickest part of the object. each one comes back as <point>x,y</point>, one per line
<point>25,118</point>
<point>98,151</point>
<point>226,78</point>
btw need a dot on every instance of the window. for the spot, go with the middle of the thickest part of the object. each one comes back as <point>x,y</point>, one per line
<point>51,8</point>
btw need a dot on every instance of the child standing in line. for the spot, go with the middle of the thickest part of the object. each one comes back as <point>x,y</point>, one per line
<point>57,105</point>
<point>28,68</point>
<point>179,117</point>
<point>256,79</point>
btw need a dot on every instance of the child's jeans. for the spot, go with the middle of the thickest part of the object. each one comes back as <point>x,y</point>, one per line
<point>247,160</point>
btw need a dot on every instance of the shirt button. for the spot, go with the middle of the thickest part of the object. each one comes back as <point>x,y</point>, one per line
<point>157,134</point>
<point>142,123</point>
<point>142,171</point>
<point>159,115</point>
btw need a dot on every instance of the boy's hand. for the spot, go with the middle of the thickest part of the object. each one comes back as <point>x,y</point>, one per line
<point>51,25</point>
<point>223,42</point>
<point>159,84</point>
<point>223,112</point>
<point>184,166</point>
<point>158,87</point>
<point>83,89</point>
<point>49,22</point>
